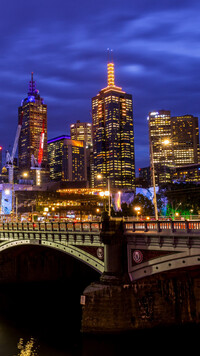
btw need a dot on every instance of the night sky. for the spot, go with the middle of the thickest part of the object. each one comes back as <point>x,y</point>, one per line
<point>156,51</point>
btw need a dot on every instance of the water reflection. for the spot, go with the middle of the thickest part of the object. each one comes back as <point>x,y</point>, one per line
<point>44,320</point>
<point>27,348</point>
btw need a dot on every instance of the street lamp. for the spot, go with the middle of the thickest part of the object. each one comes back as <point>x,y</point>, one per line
<point>154,182</point>
<point>138,210</point>
<point>166,142</point>
<point>106,193</point>
<point>169,158</point>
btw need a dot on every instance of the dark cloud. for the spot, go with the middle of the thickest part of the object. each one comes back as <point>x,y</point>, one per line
<point>155,47</point>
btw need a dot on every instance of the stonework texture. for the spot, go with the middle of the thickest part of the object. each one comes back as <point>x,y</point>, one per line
<point>159,300</point>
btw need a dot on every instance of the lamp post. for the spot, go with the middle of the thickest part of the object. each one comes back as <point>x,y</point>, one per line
<point>137,209</point>
<point>154,182</point>
<point>107,193</point>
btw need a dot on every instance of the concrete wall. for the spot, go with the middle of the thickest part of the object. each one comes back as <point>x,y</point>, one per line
<point>161,300</point>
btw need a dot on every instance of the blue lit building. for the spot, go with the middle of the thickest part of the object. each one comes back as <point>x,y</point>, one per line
<point>33,124</point>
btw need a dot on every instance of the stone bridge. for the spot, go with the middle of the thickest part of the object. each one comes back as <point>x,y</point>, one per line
<point>134,248</point>
<point>156,247</point>
<point>151,277</point>
<point>149,270</point>
<point>80,240</point>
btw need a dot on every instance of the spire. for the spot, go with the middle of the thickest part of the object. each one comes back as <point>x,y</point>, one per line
<point>111,74</point>
<point>110,69</point>
<point>32,87</point>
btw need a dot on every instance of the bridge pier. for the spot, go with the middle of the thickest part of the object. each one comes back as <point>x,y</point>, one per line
<point>115,304</point>
<point>152,302</point>
<point>105,299</point>
<point>115,252</point>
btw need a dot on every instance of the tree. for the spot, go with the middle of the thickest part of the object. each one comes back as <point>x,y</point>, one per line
<point>147,208</point>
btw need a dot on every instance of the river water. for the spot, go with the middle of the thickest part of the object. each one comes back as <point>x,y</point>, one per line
<point>49,315</point>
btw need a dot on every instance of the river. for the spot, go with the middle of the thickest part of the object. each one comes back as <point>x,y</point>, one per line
<point>49,316</point>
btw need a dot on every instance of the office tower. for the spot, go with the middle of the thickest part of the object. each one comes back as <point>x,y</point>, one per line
<point>185,140</point>
<point>32,147</point>
<point>67,159</point>
<point>161,154</point>
<point>82,131</point>
<point>145,176</point>
<point>113,137</point>
<point>174,143</point>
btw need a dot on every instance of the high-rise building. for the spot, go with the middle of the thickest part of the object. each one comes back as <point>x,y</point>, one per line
<point>161,155</point>
<point>82,131</point>
<point>174,142</point>
<point>145,176</point>
<point>67,159</point>
<point>32,145</point>
<point>113,135</point>
<point>185,140</point>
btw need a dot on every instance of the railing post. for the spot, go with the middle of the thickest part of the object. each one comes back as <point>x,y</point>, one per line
<point>172,226</point>
<point>158,226</point>
<point>187,226</point>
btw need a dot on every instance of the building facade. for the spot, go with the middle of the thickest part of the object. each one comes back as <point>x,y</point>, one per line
<point>113,135</point>
<point>161,156</point>
<point>82,131</point>
<point>32,146</point>
<point>185,140</point>
<point>145,176</point>
<point>174,142</point>
<point>67,159</point>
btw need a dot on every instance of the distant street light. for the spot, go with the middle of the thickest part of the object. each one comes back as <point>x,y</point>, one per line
<point>138,210</point>
<point>166,142</point>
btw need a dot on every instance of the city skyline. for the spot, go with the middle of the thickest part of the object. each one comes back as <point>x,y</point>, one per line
<point>155,50</point>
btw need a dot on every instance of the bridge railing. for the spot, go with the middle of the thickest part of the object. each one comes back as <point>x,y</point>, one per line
<point>50,226</point>
<point>134,226</point>
<point>161,226</point>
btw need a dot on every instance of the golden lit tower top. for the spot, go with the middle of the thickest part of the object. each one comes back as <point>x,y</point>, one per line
<point>111,74</point>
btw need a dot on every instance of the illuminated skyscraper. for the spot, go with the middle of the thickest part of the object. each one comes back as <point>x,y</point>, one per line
<point>185,140</point>
<point>67,159</point>
<point>31,148</point>
<point>113,138</point>
<point>81,131</point>
<point>161,155</point>
<point>174,142</point>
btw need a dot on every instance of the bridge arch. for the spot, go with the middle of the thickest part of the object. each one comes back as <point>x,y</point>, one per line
<point>175,261</point>
<point>74,251</point>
